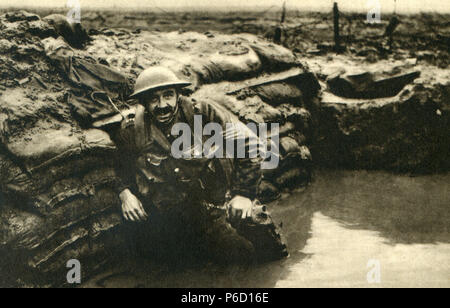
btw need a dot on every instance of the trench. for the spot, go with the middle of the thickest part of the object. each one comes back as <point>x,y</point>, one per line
<point>335,228</point>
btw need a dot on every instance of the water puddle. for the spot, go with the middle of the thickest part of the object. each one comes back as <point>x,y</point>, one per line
<point>340,229</point>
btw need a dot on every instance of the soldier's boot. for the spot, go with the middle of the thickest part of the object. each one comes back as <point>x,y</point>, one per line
<point>256,239</point>
<point>264,234</point>
<point>226,246</point>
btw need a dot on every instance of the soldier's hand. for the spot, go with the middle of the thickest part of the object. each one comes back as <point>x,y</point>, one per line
<point>240,208</point>
<point>132,208</point>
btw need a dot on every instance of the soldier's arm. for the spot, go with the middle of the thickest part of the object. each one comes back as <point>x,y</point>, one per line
<point>246,172</point>
<point>125,167</point>
<point>124,164</point>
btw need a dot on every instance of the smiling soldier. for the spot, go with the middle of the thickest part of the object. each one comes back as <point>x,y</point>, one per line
<point>173,206</point>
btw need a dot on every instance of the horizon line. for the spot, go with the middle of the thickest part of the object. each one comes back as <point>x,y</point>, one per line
<point>246,8</point>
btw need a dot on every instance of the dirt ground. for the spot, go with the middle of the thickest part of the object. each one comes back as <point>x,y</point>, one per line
<point>425,36</point>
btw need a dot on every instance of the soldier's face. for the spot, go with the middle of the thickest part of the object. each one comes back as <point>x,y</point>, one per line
<point>162,104</point>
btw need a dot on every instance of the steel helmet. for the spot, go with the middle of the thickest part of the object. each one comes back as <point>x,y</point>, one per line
<point>155,78</point>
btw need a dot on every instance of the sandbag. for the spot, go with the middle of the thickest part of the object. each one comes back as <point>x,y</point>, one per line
<point>197,57</point>
<point>297,115</point>
<point>44,238</point>
<point>92,245</point>
<point>299,159</point>
<point>33,164</point>
<point>65,243</point>
<point>217,58</point>
<point>45,148</point>
<point>279,93</point>
<point>369,85</point>
<point>233,64</point>
<point>274,56</point>
<point>58,244</point>
<point>294,161</point>
<point>15,225</point>
<point>252,109</point>
<point>286,129</point>
<point>95,254</point>
<point>255,110</point>
<point>243,99</point>
<point>299,137</point>
<point>289,145</point>
<point>24,108</point>
<point>53,254</point>
<point>29,185</point>
<point>80,209</point>
<point>76,187</point>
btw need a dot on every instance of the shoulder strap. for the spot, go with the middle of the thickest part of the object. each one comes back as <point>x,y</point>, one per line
<point>159,138</point>
<point>139,126</point>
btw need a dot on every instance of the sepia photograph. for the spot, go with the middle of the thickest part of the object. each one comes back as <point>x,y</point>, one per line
<point>224,145</point>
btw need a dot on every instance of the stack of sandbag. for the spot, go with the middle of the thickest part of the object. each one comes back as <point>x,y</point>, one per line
<point>201,58</point>
<point>56,171</point>
<point>56,179</point>
<point>276,98</point>
<point>59,198</point>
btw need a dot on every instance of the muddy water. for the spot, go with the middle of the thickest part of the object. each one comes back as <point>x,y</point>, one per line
<point>334,229</point>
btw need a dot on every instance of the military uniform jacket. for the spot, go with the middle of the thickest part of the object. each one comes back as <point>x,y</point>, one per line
<point>146,166</point>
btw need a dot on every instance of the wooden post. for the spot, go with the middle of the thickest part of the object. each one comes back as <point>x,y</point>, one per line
<point>279,29</point>
<point>337,35</point>
<point>283,13</point>
<point>393,24</point>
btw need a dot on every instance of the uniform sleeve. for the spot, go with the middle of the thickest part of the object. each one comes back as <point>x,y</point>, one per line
<point>246,173</point>
<point>124,162</point>
<point>246,178</point>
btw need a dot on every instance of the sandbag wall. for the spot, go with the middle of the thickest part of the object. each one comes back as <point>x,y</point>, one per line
<point>56,178</point>
<point>282,102</point>
<point>57,200</point>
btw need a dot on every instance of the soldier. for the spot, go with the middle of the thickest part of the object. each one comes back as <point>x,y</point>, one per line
<point>174,205</point>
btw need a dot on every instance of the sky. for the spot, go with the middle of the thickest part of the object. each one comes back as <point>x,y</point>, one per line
<point>403,6</point>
